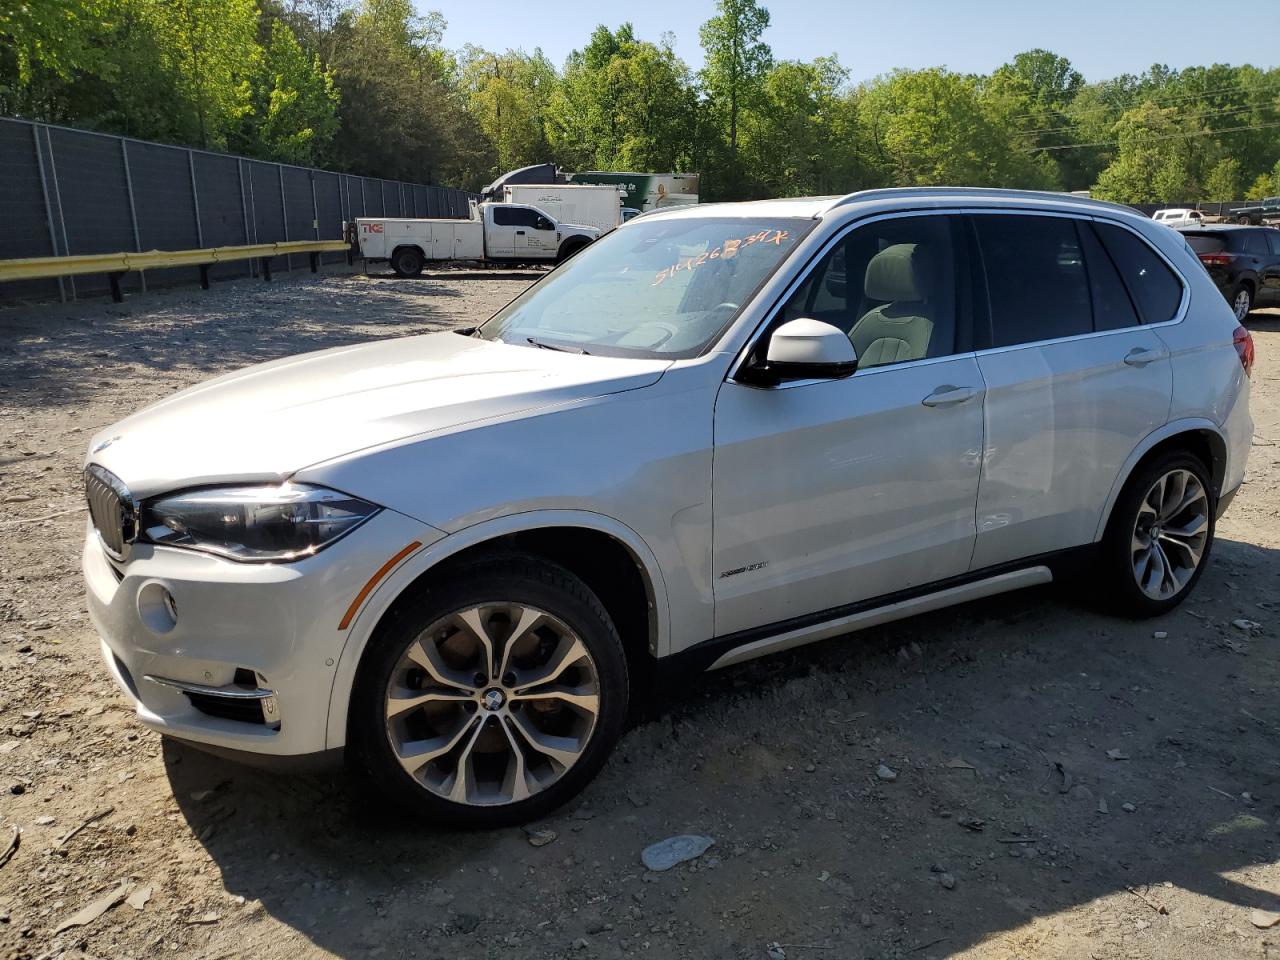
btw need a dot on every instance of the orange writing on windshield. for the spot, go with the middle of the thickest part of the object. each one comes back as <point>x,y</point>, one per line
<point>726,251</point>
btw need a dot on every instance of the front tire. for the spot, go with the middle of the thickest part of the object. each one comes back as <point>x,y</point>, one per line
<point>569,250</point>
<point>407,262</point>
<point>494,696</point>
<point>1159,536</point>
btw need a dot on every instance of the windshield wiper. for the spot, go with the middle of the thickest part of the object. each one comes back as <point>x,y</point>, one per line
<point>555,346</point>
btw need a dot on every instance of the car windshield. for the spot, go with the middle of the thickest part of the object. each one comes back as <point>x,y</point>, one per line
<point>655,288</point>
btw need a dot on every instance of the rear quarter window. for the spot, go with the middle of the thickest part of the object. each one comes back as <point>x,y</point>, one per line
<point>1154,287</point>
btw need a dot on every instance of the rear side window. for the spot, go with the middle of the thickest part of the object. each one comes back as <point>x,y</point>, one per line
<point>1154,287</point>
<point>1112,308</point>
<point>1037,285</point>
<point>1273,238</point>
<point>1253,242</point>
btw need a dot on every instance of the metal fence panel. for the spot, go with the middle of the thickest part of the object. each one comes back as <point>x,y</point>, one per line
<point>66,191</point>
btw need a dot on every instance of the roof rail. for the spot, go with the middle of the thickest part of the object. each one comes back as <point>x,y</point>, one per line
<point>889,193</point>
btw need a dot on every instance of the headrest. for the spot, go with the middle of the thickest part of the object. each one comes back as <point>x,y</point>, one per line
<point>899,274</point>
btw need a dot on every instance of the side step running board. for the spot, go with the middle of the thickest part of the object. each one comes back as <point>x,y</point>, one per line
<point>1001,583</point>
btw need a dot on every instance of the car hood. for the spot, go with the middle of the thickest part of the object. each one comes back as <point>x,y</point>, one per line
<point>266,422</point>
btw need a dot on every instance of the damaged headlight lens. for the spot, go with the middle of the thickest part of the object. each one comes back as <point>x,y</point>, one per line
<point>260,523</point>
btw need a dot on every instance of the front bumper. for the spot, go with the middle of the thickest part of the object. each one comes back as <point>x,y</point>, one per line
<point>245,658</point>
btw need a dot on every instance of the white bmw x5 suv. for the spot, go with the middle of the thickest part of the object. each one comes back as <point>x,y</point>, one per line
<point>718,432</point>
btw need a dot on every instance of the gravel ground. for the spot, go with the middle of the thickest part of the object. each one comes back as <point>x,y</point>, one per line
<point>1055,783</point>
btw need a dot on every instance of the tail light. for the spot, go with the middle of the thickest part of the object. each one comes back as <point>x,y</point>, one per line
<point>1242,340</point>
<point>1217,259</point>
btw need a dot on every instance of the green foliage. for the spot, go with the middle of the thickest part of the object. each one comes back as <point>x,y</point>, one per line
<point>623,104</point>
<point>210,49</point>
<point>1154,161</point>
<point>737,62</point>
<point>295,102</point>
<point>930,127</point>
<point>1223,181</point>
<point>369,86</point>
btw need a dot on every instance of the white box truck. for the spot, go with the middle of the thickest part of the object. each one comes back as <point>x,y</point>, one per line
<point>497,232</point>
<point>591,205</point>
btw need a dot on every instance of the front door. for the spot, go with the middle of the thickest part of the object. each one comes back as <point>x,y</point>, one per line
<point>829,492</point>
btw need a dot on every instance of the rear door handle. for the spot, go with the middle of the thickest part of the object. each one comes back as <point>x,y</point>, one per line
<point>949,396</point>
<point>1141,356</point>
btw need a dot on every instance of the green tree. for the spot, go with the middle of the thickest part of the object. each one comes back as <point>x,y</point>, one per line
<point>623,104</point>
<point>932,127</point>
<point>508,94</point>
<point>1223,181</point>
<point>801,138</point>
<point>1153,162</point>
<point>210,47</point>
<point>736,62</point>
<point>295,102</point>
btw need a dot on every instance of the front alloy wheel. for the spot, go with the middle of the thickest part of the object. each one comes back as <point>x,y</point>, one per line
<point>492,704</point>
<point>491,695</point>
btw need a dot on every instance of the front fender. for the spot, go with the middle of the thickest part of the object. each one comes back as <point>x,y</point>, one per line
<point>361,628</point>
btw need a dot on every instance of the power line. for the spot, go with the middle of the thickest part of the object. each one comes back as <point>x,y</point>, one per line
<point>1136,99</point>
<point>1180,118</point>
<point>1163,136</point>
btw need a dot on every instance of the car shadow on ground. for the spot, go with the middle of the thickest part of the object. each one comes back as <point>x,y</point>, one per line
<point>1046,755</point>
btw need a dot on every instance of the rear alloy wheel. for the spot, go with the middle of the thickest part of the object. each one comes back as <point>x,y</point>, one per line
<point>1160,535</point>
<point>1242,302</point>
<point>498,699</point>
<point>1244,219</point>
<point>407,262</point>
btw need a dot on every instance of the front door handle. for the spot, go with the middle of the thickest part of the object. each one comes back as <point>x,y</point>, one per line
<point>949,396</point>
<point>519,233</point>
<point>1141,356</point>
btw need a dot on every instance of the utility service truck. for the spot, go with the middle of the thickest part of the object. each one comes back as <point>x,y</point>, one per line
<point>496,232</point>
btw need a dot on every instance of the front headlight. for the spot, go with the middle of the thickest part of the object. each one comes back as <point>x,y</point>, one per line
<point>286,522</point>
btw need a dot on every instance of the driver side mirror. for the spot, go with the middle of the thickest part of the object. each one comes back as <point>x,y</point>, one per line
<point>542,223</point>
<point>806,349</point>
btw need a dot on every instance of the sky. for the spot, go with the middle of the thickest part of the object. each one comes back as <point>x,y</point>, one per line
<point>1102,38</point>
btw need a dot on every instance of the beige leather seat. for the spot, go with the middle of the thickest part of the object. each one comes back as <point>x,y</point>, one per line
<point>900,329</point>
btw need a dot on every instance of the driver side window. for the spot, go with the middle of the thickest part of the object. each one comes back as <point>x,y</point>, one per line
<point>890,286</point>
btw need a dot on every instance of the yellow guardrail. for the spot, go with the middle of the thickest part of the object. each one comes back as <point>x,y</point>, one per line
<point>114,264</point>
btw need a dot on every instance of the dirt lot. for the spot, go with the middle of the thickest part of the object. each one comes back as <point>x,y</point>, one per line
<point>1067,785</point>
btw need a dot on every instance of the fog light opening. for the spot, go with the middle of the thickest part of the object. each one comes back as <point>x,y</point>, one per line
<point>157,607</point>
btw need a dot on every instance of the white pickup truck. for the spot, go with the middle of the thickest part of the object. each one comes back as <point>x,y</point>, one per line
<point>510,232</point>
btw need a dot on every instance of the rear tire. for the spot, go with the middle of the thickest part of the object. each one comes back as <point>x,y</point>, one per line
<point>1241,302</point>
<point>407,262</point>
<point>506,743</point>
<point>1159,537</point>
<point>1244,219</point>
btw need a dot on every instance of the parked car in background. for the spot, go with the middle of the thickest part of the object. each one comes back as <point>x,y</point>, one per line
<point>1178,217</point>
<point>1269,209</point>
<point>716,433</point>
<point>1244,262</point>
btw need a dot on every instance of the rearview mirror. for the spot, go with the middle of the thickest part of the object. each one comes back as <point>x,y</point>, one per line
<point>806,349</point>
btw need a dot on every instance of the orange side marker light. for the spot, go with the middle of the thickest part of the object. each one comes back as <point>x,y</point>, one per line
<point>373,582</point>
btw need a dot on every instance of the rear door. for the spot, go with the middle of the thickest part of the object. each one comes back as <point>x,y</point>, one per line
<point>1074,378</point>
